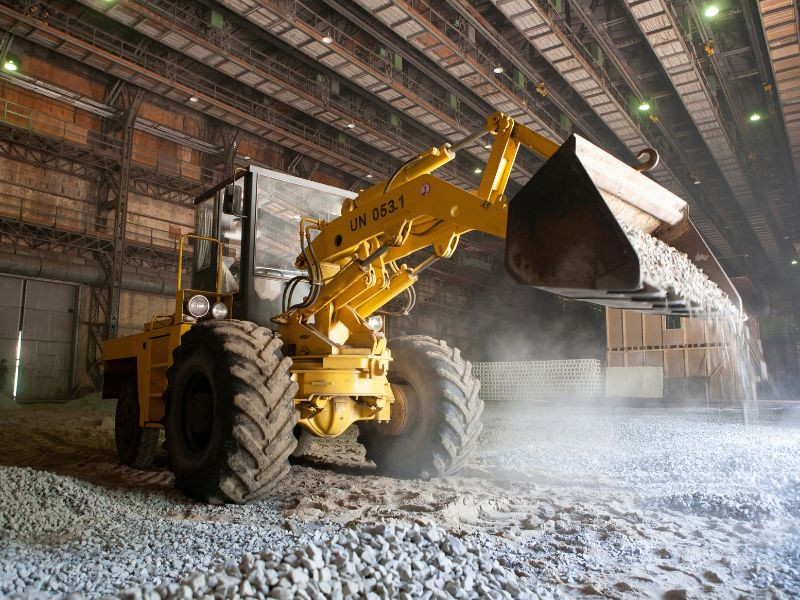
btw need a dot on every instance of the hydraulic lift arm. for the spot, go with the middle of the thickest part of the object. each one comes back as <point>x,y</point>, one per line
<point>563,230</point>
<point>408,212</point>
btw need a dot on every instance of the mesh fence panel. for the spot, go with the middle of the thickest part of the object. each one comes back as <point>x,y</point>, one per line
<point>509,381</point>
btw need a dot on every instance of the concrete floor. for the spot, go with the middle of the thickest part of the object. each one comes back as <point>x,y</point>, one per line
<point>618,502</point>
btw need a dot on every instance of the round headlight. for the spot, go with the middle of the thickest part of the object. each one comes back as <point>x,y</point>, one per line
<point>219,310</point>
<point>375,322</point>
<point>198,306</point>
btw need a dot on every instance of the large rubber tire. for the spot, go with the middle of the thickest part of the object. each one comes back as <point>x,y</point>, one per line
<point>304,441</point>
<point>442,412</point>
<point>136,446</point>
<point>229,412</point>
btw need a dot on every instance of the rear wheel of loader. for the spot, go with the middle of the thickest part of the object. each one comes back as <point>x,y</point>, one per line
<point>136,446</point>
<point>229,412</point>
<point>436,419</point>
<point>304,441</point>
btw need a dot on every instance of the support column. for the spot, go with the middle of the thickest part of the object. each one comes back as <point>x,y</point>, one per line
<point>134,101</point>
<point>227,140</point>
<point>112,197</point>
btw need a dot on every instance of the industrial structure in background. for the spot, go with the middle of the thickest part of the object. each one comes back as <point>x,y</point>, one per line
<point>115,115</point>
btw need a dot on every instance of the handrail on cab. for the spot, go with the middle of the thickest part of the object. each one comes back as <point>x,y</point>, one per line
<point>194,236</point>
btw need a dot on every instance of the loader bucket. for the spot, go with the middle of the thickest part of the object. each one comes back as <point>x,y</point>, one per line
<point>567,233</point>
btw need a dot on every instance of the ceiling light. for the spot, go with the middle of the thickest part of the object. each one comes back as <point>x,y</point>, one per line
<point>488,146</point>
<point>11,63</point>
<point>477,171</point>
<point>351,125</point>
<point>194,99</point>
<point>246,157</point>
<point>327,39</point>
<point>369,175</point>
<point>755,117</point>
<point>696,181</point>
<point>711,11</point>
<point>498,70</point>
<point>794,261</point>
<point>644,106</point>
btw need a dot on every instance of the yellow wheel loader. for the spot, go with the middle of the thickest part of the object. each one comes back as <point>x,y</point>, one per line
<point>280,334</point>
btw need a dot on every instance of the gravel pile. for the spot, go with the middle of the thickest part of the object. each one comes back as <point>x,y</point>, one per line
<point>575,500</point>
<point>60,535</point>
<point>752,507</point>
<point>666,268</point>
<point>379,561</point>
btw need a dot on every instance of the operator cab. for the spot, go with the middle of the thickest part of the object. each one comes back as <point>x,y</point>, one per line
<point>256,216</point>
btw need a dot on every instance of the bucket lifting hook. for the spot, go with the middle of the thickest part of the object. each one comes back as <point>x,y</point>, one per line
<point>650,163</point>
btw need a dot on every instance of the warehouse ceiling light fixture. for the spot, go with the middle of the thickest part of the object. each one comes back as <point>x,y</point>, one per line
<point>644,106</point>
<point>711,11</point>
<point>351,125</point>
<point>327,39</point>
<point>369,175</point>
<point>194,99</point>
<point>477,171</point>
<point>498,70</point>
<point>11,63</point>
<point>794,261</point>
<point>755,117</point>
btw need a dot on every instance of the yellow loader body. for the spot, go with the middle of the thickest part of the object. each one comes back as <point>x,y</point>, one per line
<point>565,232</point>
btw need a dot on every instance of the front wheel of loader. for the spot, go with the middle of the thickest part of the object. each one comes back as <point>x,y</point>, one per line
<point>436,417</point>
<point>229,412</point>
<point>136,446</point>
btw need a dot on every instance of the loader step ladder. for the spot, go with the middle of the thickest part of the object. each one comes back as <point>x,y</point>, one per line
<point>158,358</point>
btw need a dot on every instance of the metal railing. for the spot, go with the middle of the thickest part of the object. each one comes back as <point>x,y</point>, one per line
<point>155,66</point>
<point>29,119</point>
<point>64,215</point>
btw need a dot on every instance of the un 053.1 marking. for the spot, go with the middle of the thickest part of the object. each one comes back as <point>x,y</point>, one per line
<point>379,212</point>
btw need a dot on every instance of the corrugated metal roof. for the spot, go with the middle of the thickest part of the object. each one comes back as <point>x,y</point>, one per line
<point>780,21</point>
<point>659,26</point>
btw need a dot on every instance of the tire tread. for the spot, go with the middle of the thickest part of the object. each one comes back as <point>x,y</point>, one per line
<point>263,415</point>
<point>458,424</point>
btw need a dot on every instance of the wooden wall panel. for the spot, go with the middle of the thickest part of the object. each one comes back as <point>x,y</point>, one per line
<point>653,358</point>
<point>616,359</point>
<point>695,330</point>
<point>697,362</point>
<point>614,327</point>
<point>633,329</point>
<point>635,358</point>
<point>653,328</point>
<point>716,357</point>
<point>675,366</point>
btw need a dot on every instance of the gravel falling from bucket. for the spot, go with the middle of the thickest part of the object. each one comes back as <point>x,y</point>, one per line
<point>735,375</point>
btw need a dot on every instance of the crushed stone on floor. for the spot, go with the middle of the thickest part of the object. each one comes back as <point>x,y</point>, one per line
<point>571,500</point>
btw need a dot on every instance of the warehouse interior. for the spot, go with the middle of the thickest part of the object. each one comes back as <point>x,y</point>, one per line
<point>622,453</point>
